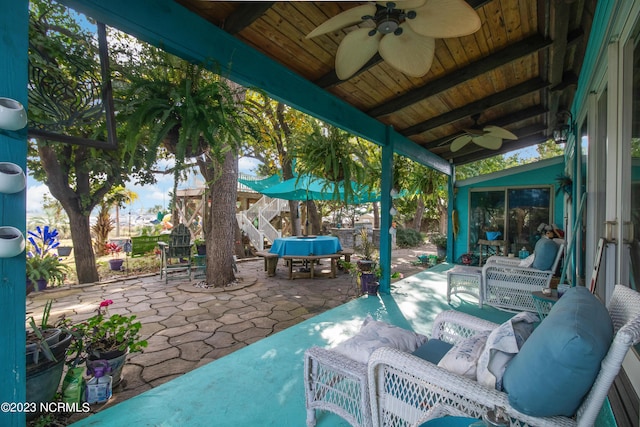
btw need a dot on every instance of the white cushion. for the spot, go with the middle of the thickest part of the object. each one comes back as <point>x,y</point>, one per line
<point>503,343</point>
<point>527,261</point>
<point>462,359</point>
<point>375,334</point>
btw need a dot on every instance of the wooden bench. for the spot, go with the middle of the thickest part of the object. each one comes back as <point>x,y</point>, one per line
<point>347,254</point>
<point>312,260</point>
<point>270,262</point>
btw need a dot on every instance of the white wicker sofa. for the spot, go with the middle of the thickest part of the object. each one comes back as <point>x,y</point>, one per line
<point>406,390</point>
<point>508,286</point>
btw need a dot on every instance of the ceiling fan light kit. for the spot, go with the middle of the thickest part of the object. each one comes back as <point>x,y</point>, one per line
<point>403,33</point>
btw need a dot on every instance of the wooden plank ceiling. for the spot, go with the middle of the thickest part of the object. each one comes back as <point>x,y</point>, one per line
<point>516,72</point>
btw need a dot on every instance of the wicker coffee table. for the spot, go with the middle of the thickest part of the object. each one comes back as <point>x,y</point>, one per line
<point>462,279</point>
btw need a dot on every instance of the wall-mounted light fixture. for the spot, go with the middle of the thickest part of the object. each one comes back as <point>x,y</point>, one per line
<point>564,126</point>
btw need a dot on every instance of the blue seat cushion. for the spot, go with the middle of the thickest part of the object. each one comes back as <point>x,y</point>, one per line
<point>545,254</point>
<point>558,364</point>
<point>433,350</point>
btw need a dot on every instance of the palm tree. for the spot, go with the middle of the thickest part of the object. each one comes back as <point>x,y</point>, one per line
<point>104,224</point>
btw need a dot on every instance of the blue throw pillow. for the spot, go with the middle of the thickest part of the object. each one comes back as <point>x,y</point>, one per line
<point>559,362</point>
<point>433,350</point>
<point>545,254</point>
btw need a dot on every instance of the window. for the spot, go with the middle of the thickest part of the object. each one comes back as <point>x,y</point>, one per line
<point>515,213</point>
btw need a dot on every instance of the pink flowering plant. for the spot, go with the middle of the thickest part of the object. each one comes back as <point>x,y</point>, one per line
<point>114,250</point>
<point>105,332</point>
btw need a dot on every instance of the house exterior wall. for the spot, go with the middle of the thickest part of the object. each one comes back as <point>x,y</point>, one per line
<point>535,174</point>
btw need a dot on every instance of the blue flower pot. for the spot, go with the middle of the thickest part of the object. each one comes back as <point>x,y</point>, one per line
<point>493,235</point>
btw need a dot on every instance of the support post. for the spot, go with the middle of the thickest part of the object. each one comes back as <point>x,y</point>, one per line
<point>451,182</point>
<point>385,216</point>
<point>14,25</point>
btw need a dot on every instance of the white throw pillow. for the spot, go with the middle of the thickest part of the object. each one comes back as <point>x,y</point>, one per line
<point>503,343</point>
<point>528,261</point>
<point>463,357</point>
<point>375,334</point>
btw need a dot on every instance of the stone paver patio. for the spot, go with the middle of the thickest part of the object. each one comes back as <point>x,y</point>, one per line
<point>188,326</point>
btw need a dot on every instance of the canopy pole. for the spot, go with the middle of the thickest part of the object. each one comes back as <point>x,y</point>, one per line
<point>385,215</point>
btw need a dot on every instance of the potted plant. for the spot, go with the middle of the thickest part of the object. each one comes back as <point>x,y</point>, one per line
<point>45,270</point>
<point>201,247</point>
<point>440,240</point>
<point>366,249</point>
<point>114,250</point>
<point>45,357</point>
<point>110,337</point>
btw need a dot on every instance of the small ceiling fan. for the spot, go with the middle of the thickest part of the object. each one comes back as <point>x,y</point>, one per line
<point>489,137</point>
<point>402,31</point>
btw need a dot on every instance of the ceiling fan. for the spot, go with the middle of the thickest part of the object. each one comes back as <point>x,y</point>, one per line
<point>402,31</point>
<point>489,137</point>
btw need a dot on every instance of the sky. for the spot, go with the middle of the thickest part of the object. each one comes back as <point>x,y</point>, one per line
<point>148,195</point>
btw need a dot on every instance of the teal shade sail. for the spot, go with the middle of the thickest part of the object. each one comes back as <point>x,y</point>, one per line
<point>314,188</point>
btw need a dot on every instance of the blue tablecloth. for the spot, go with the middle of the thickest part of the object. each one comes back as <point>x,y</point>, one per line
<point>319,245</point>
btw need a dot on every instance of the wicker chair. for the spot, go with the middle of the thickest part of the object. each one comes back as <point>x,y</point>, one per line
<point>338,384</point>
<point>508,286</point>
<point>406,390</point>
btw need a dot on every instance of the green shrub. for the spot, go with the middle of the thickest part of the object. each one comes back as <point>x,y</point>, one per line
<point>408,238</point>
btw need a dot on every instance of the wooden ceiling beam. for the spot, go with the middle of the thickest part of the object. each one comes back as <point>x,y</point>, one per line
<point>509,54</point>
<point>518,116</point>
<point>477,107</point>
<point>244,16</point>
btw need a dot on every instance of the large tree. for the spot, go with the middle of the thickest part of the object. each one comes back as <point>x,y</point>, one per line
<point>188,111</point>
<point>65,98</point>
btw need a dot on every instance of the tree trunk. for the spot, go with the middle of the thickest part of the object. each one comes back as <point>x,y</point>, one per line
<point>221,237</point>
<point>376,215</point>
<point>71,201</point>
<point>294,214</point>
<point>313,216</point>
<point>417,219</point>
<point>82,250</point>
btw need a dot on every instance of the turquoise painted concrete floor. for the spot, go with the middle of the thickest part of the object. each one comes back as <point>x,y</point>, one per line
<point>262,384</point>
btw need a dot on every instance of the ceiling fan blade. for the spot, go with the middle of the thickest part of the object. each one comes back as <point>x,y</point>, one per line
<point>460,142</point>
<point>354,51</point>
<point>445,18</point>
<point>344,19</point>
<point>488,141</point>
<point>409,52</point>
<point>500,132</point>
<point>403,4</point>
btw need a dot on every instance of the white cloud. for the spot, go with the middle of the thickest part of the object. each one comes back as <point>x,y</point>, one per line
<point>248,165</point>
<point>35,198</point>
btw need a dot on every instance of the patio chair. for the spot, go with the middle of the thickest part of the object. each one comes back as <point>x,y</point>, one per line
<point>406,390</point>
<point>508,286</point>
<point>176,253</point>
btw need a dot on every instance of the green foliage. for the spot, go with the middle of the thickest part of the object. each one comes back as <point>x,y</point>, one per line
<point>408,238</point>
<point>332,153</point>
<point>440,240</point>
<point>366,248</point>
<point>47,267</point>
<point>104,332</point>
